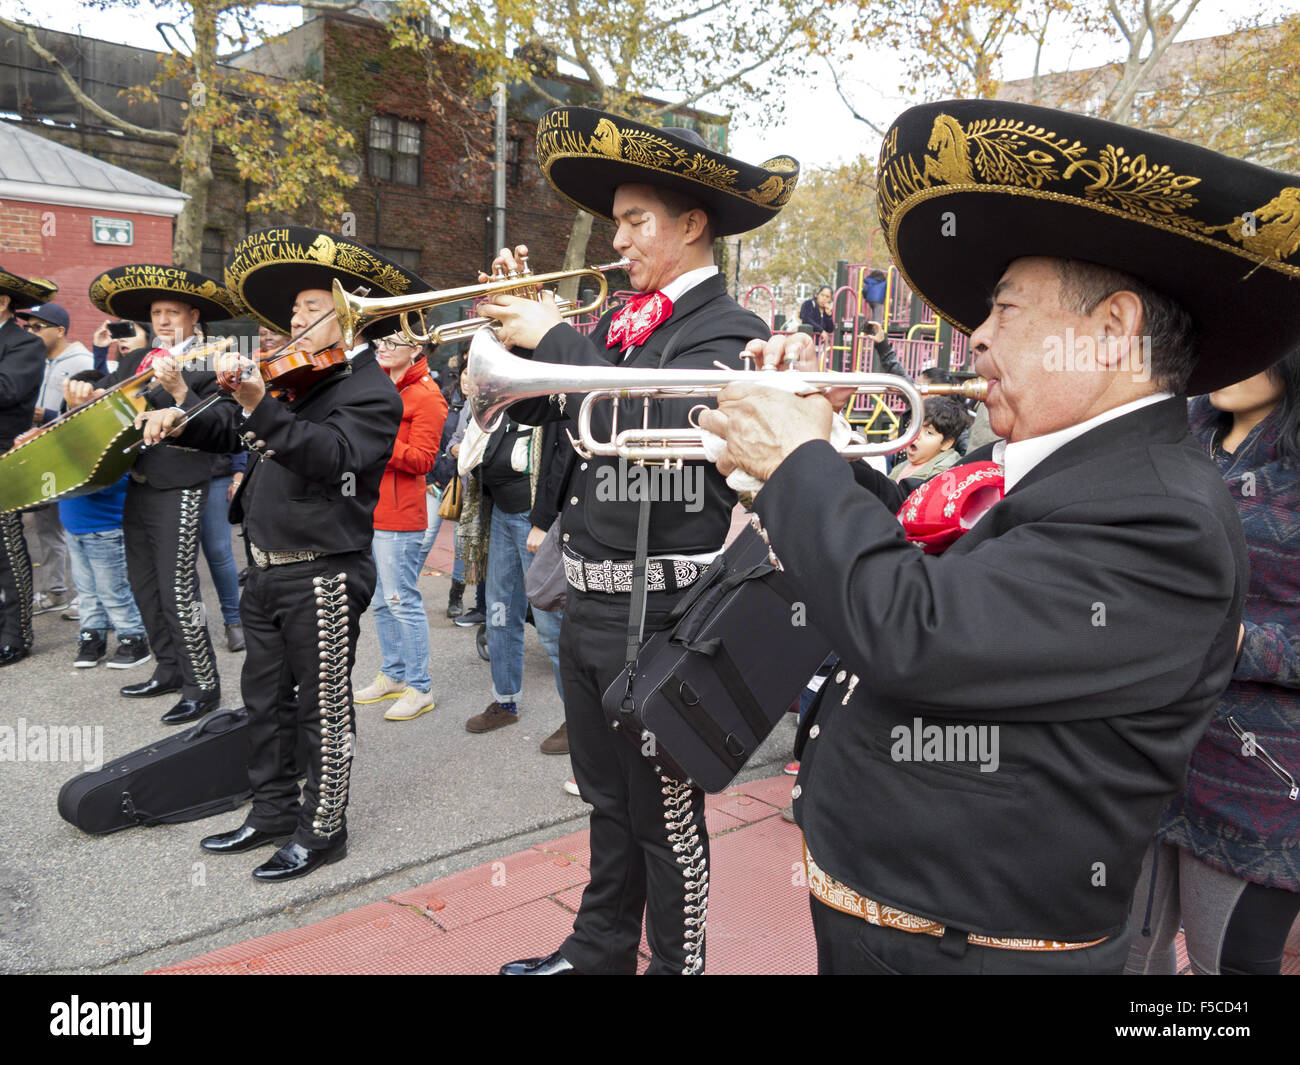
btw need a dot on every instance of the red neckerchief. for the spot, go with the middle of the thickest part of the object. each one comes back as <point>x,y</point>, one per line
<point>637,319</point>
<point>147,361</point>
<point>937,513</point>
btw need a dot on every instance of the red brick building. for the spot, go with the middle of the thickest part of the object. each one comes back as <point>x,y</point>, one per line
<point>67,216</point>
<point>424,164</point>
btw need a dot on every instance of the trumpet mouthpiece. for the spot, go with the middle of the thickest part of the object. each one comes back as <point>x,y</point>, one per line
<point>622,264</point>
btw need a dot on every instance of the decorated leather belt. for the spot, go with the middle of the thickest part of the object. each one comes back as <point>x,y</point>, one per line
<point>843,898</point>
<point>662,575</point>
<point>265,559</point>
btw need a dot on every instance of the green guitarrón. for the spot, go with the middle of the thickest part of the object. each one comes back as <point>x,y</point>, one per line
<point>84,450</point>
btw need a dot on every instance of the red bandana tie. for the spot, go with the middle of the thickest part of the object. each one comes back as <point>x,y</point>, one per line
<point>147,361</point>
<point>939,511</point>
<point>637,319</point>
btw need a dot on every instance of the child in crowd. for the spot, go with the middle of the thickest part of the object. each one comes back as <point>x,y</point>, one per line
<point>933,449</point>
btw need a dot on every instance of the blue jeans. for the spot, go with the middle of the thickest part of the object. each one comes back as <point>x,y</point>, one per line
<point>433,502</point>
<point>98,562</point>
<point>507,607</point>
<point>214,534</point>
<point>400,620</point>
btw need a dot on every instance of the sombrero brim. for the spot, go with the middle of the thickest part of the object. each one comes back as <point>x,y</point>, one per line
<point>586,155</point>
<point>967,187</point>
<point>268,269</point>
<point>25,292</point>
<point>131,291</point>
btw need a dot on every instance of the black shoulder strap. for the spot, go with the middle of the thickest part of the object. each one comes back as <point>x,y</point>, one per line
<point>636,615</point>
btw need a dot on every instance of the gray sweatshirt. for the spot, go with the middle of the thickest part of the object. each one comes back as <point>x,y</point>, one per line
<point>72,359</point>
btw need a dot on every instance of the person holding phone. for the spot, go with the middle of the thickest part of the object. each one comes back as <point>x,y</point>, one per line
<point>127,336</point>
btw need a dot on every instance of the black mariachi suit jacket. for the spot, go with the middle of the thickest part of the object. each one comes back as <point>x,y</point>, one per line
<point>313,481</point>
<point>22,364</point>
<point>1092,616</point>
<point>713,328</point>
<point>169,465</point>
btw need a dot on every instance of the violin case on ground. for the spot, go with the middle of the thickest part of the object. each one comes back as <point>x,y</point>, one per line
<point>707,691</point>
<point>183,777</point>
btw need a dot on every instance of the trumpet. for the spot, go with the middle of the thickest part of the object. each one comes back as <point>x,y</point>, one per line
<point>355,313</point>
<point>496,379</point>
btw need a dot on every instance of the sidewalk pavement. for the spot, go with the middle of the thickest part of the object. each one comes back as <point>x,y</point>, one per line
<point>523,906</point>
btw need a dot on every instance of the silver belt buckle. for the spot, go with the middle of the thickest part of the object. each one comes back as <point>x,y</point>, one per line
<point>575,572</point>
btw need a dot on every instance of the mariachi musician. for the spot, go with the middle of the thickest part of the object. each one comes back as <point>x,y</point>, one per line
<point>168,485</point>
<point>307,505</point>
<point>22,363</point>
<point>670,196</point>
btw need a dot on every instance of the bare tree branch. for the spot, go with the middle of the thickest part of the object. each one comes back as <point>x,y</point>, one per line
<point>117,122</point>
<point>852,110</point>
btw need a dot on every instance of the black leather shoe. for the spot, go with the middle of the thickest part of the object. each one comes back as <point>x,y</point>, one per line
<point>294,860</point>
<point>147,689</point>
<point>188,710</point>
<point>10,654</point>
<point>244,838</point>
<point>552,965</point>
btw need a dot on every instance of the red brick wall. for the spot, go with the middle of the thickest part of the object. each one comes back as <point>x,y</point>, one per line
<point>54,241</point>
<point>445,215</point>
<point>20,229</point>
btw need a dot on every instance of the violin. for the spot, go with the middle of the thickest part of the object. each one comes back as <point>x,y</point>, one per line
<point>288,371</point>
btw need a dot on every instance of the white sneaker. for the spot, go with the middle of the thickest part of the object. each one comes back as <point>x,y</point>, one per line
<point>411,705</point>
<point>44,602</point>
<point>382,688</point>
<point>571,786</point>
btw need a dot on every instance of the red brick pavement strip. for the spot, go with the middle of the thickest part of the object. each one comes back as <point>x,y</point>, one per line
<point>523,905</point>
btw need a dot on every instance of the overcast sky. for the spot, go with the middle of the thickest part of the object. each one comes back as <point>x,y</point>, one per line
<point>816,128</point>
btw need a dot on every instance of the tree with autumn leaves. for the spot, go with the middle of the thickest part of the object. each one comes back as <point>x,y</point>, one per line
<point>1234,93</point>
<point>649,61</point>
<point>280,133</point>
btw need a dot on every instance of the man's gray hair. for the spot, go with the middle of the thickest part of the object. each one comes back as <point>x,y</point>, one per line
<point>1170,327</point>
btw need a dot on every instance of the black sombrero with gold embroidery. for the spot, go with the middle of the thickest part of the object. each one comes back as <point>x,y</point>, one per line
<point>587,154</point>
<point>967,186</point>
<point>130,291</point>
<point>25,292</point>
<point>268,269</point>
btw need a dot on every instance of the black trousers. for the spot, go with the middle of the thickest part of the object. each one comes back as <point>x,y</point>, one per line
<point>846,944</point>
<point>161,529</point>
<point>301,623</point>
<point>649,844</point>
<point>15,583</point>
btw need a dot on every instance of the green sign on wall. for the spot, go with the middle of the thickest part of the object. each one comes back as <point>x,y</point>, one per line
<point>112,231</point>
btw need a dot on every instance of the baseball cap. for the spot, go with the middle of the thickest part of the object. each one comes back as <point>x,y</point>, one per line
<point>51,313</point>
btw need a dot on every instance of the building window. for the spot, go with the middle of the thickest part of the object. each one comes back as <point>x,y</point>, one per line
<point>395,150</point>
<point>213,255</point>
<point>407,257</point>
<point>514,168</point>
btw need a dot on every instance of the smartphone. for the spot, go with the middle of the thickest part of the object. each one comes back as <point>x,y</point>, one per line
<point>121,330</point>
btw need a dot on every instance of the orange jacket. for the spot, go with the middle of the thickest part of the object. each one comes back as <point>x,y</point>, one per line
<point>401,506</point>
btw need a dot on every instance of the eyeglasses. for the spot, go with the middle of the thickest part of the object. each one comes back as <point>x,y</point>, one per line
<point>33,326</point>
<point>388,344</point>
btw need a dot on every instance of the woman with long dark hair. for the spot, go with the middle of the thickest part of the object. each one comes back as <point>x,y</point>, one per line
<point>1226,859</point>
